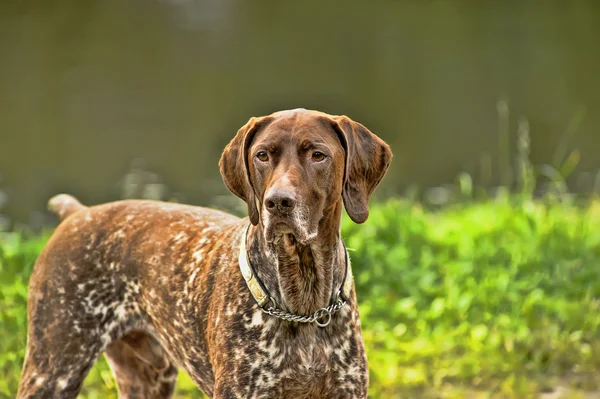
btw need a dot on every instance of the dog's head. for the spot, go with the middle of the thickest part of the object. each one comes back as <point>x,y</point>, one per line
<point>292,167</point>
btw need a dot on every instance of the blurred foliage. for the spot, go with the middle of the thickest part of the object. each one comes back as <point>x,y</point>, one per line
<point>17,256</point>
<point>495,296</point>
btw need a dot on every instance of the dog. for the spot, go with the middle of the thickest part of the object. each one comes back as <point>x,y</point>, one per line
<point>258,307</point>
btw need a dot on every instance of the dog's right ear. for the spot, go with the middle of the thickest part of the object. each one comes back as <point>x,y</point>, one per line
<point>234,165</point>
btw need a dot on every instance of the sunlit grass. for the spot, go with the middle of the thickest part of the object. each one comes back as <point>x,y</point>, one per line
<point>494,296</point>
<point>497,294</point>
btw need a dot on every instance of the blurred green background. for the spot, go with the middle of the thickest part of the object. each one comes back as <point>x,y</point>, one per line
<point>477,272</point>
<point>86,87</point>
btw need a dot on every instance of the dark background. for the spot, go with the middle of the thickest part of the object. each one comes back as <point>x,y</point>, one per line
<point>90,90</point>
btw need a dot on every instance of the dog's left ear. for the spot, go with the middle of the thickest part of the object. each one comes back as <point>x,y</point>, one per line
<point>367,160</point>
<point>234,165</point>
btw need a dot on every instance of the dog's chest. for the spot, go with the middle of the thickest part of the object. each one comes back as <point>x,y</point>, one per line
<point>299,363</point>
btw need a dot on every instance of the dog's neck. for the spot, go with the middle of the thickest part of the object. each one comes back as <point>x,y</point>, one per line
<point>301,278</point>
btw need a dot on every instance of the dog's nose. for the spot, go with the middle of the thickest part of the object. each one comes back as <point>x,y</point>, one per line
<point>280,202</point>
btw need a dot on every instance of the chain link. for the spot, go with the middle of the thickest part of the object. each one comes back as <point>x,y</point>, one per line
<point>314,318</point>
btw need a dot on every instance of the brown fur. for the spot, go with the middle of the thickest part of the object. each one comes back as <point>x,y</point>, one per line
<point>156,286</point>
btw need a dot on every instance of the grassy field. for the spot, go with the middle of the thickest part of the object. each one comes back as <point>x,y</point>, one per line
<point>493,298</point>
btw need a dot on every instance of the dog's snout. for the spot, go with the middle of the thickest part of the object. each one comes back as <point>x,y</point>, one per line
<point>280,202</point>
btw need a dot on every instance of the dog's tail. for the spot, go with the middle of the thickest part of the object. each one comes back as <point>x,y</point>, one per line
<point>64,205</point>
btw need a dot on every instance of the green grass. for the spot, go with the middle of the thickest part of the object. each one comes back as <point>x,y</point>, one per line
<point>503,296</point>
<point>500,297</point>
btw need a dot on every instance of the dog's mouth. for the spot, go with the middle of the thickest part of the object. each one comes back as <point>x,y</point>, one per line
<point>277,227</point>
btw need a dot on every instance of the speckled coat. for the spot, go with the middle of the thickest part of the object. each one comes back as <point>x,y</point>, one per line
<point>156,287</point>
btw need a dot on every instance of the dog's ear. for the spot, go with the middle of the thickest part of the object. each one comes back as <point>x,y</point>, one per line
<point>234,165</point>
<point>367,160</point>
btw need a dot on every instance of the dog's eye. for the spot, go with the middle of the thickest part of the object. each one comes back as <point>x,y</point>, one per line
<point>318,156</point>
<point>262,156</point>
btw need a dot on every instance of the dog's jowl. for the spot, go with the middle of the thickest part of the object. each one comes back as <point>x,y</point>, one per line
<point>259,307</point>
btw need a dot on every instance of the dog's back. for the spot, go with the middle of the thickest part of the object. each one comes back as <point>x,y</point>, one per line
<point>90,288</point>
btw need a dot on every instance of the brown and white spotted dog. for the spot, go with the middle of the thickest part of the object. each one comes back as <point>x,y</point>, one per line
<point>157,286</point>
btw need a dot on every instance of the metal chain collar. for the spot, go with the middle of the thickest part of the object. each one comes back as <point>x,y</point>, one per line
<point>321,317</point>
<point>314,318</point>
